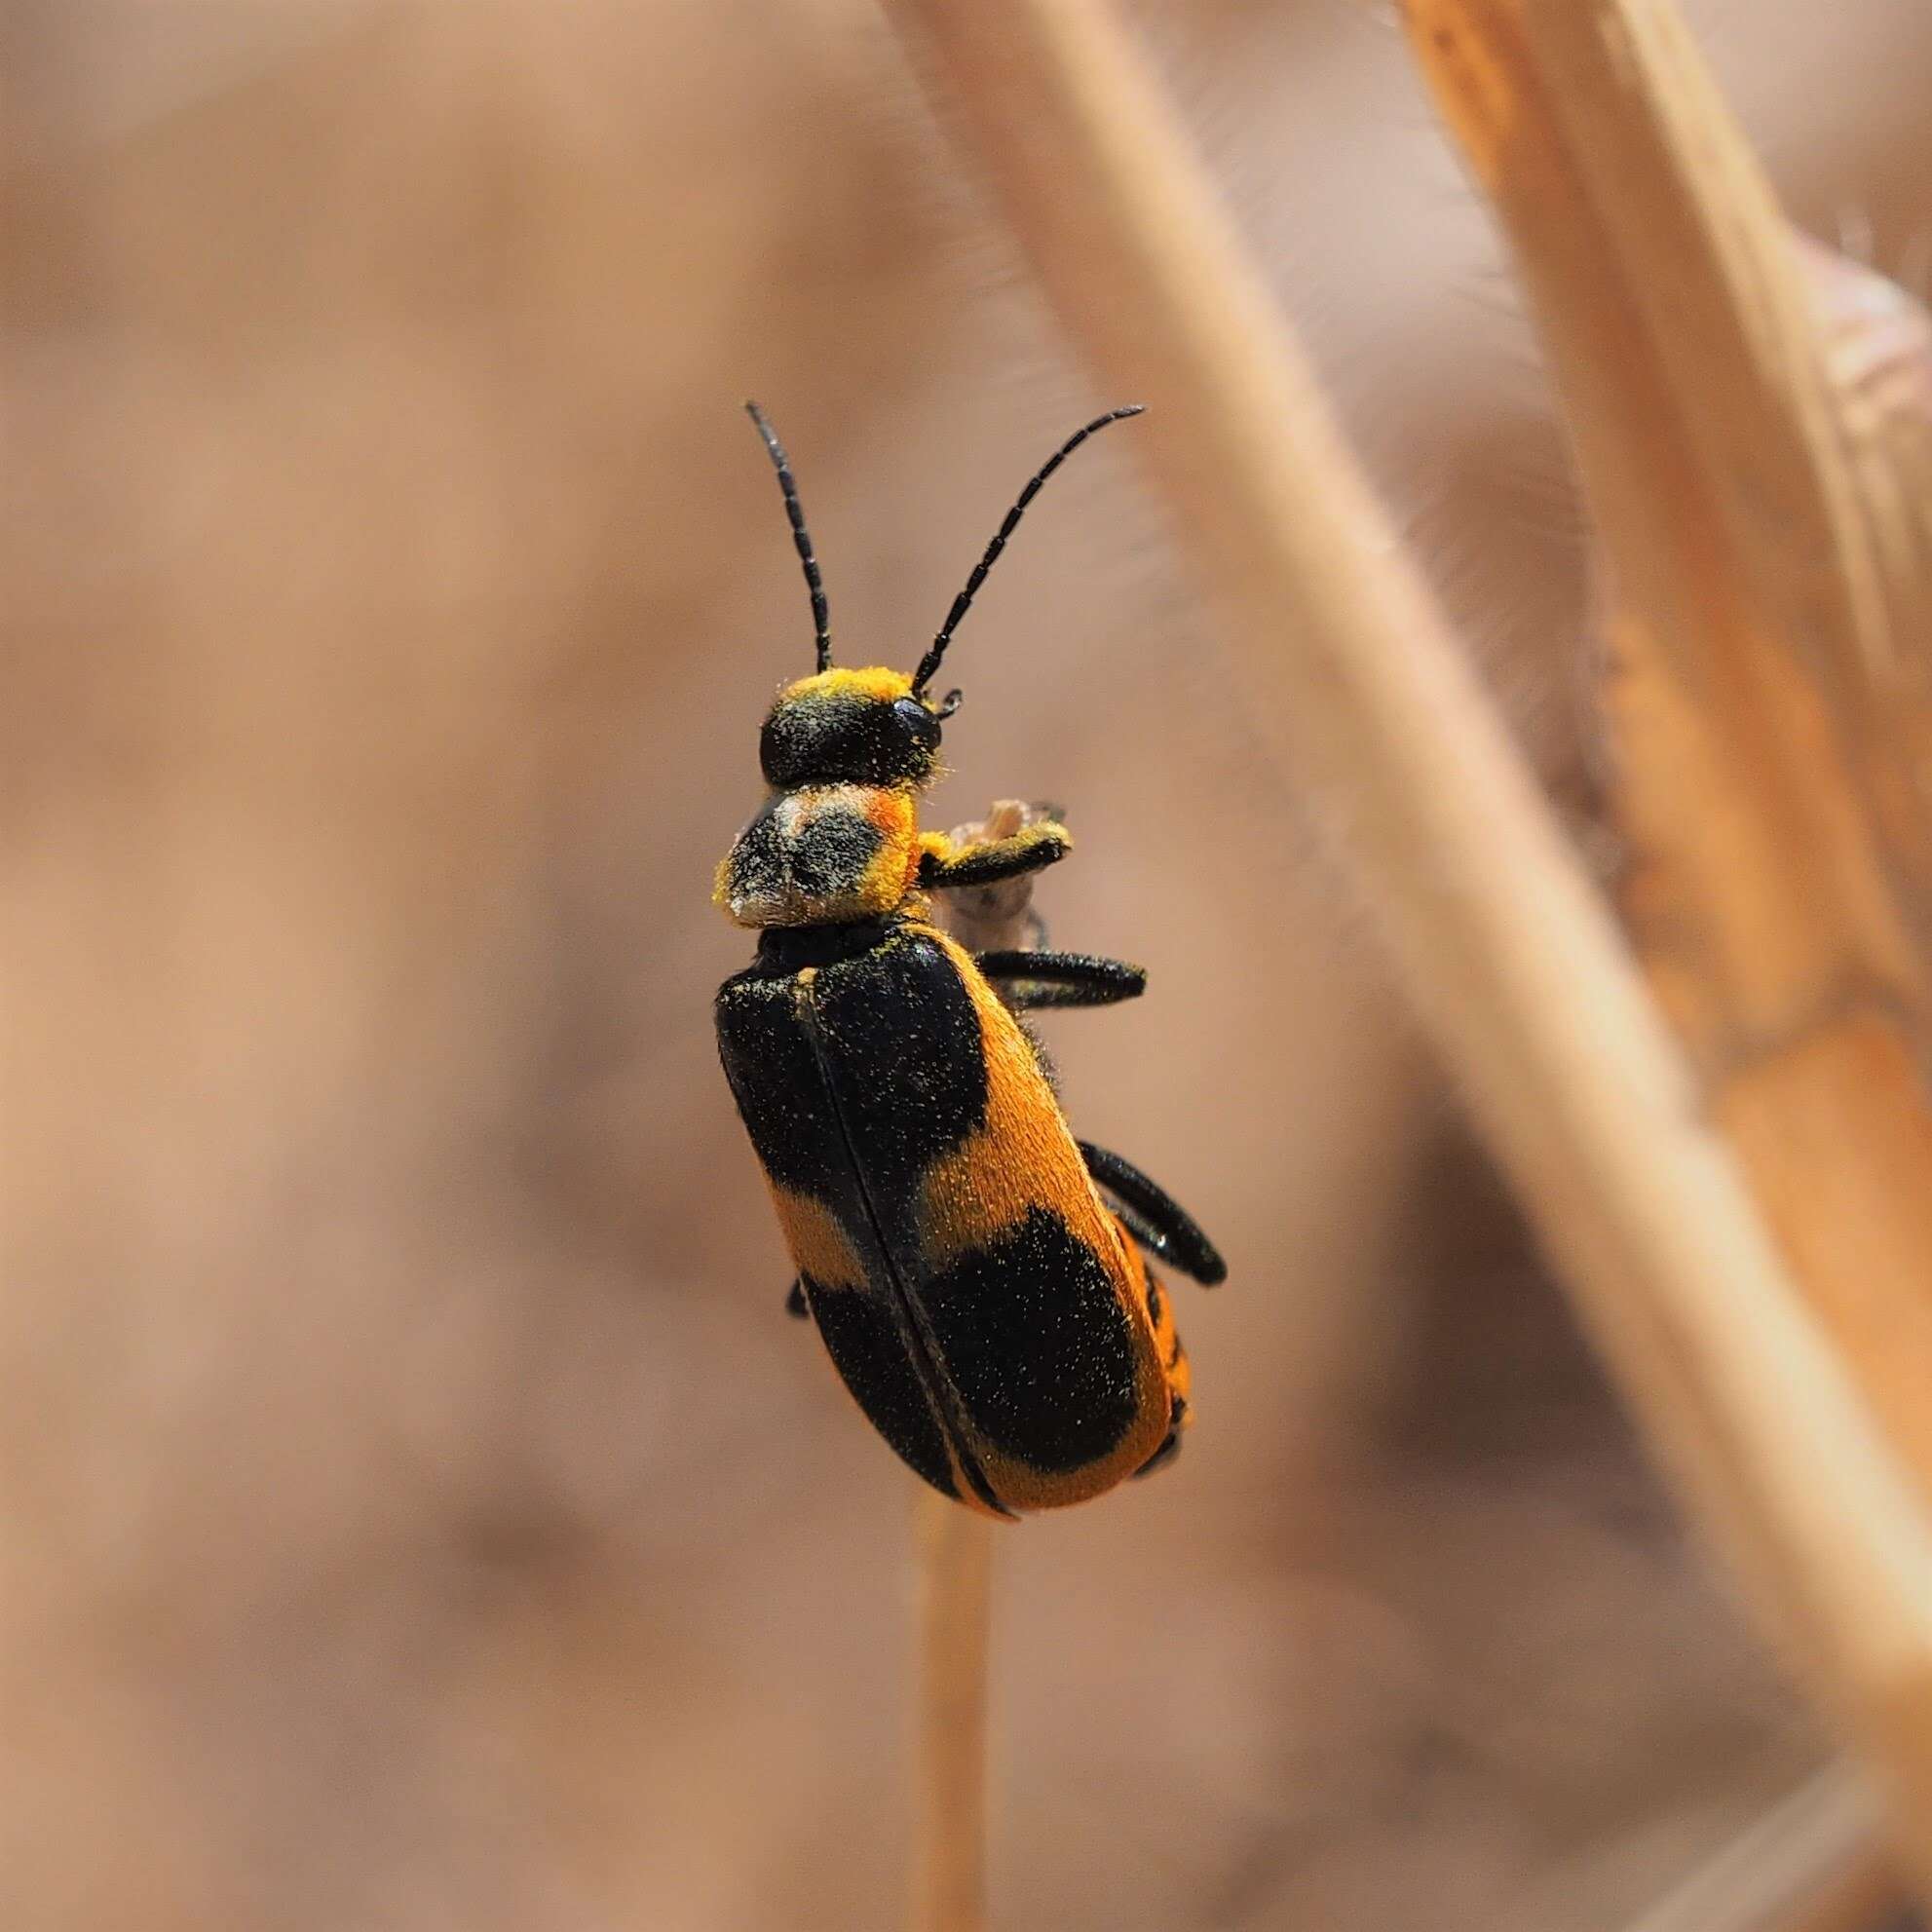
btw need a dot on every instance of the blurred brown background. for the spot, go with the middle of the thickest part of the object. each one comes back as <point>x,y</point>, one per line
<point>415,1509</point>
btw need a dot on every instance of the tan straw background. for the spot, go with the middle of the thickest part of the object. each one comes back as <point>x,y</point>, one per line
<point>415,1510</point>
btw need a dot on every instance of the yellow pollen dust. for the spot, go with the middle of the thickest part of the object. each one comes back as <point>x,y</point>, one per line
<point>876,681</point>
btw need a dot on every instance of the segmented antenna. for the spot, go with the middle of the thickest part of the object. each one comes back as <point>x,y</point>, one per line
<point>929,663</point>
<point>822,622</point>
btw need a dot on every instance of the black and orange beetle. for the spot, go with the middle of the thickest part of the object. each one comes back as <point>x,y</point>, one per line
<point>974,1272</point>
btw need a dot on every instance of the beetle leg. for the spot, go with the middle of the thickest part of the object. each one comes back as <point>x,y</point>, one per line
<point>945,864</point>
<point>1061,979</point>
<point>1155,1218</point>
<point>795,1304</point>
<point>1151,1241</point>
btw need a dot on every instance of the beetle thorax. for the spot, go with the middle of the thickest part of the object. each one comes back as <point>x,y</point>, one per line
<point>822,854</point>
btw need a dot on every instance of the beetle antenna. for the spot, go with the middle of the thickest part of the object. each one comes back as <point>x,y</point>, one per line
<point>801,537</point>
<point>929,663</point>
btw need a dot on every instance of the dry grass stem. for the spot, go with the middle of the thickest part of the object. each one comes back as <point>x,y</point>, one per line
<point>1750,418</point>
<point>1761,687</point>
<point>953,1550</point>
<point>1517,967</point>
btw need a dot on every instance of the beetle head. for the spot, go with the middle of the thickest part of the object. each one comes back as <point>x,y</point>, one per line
<point>851,727</point>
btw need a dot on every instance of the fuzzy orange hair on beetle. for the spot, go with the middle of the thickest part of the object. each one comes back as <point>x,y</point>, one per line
<point>978,1277</point>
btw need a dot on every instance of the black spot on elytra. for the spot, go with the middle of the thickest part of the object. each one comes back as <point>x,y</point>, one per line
<point>900,1039</point>
<point>1035,1339</point>
<point>776,1080</point>
<point>864,1341</point>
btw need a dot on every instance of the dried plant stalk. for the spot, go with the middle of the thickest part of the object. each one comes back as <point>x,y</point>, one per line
<point>1745,424</point>
<point>1877,347</point>
<point>1876,344</point>
<point>954,1546</point>
<point>953,1550</point>
<point>1514,963</point>
<point>1752,622</point>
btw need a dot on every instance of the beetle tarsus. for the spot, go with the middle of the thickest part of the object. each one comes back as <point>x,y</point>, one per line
<point>1038,846</point>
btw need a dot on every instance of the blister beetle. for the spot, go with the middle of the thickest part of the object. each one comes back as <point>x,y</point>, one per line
<point>974,1272</point>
